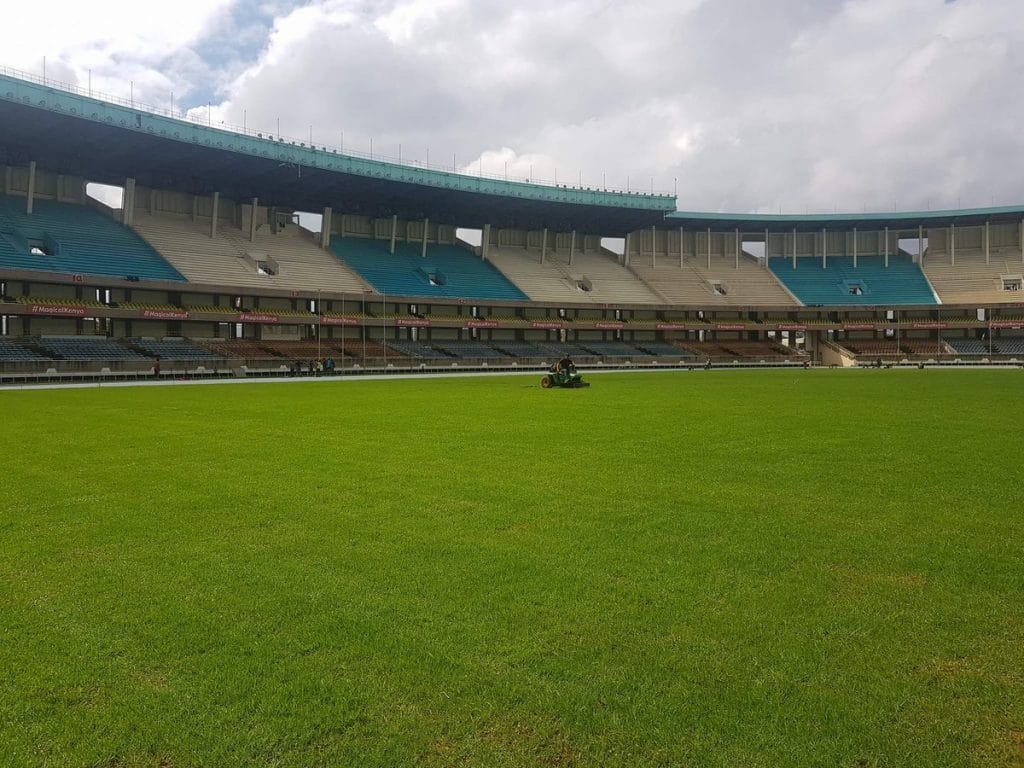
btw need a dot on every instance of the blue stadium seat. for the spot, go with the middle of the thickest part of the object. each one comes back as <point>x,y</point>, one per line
<point>448,271</point>
<point>77,240</point>
<point>871,283</point>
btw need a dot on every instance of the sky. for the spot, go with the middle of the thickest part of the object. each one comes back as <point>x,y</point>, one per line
<point>789,106</point>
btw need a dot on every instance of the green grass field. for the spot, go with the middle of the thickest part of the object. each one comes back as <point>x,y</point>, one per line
<point>792,568</point>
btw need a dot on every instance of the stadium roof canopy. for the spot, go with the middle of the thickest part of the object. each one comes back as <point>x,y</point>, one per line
<point>67,131</point>
<point>747,222</point>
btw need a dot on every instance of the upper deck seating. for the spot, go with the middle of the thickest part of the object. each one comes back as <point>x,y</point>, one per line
<point>448,271</point>
<point>74,239</point>
<point>969,280</point>
<point>13,352</point>
<point>871,283</point>
<point>606,281</point>
<point>726,282</point>
<point>232,259</point>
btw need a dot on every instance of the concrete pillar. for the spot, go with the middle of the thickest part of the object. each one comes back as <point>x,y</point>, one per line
<point>128,202</point>
<point>151,201</point>
<point>7,179</point>
<point>986,243</point>
<point>952,245</point>
<point>544,246</point>
<point>625,250</point>
<point>426,228</point>
<point>213,218</point>
<point>794,247</point>
<point>824,249</point>
<point>854,247</point>
<point>485,241</point>
<point>709,247</point>
<point>1022,242</point>
<point>766,236</point>
<point>252,219</point>
<point>326,227</point>
<point>737,249</point>
<point>886,246</point>
<point>920,244</point>
<point>572,247</point>
<point>195,207</point>
<point>394,233</point>
<point>680,247</point>
<point>30,199</point>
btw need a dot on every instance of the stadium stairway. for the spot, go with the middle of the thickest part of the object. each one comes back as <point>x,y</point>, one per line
<point>75,239</point>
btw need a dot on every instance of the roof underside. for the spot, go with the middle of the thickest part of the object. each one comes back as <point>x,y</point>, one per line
<point>969,217</point>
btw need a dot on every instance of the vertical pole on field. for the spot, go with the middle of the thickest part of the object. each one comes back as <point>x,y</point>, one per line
<point>30,197</point>
<point>544,245</point>
<point>394,233</point>
<point>886,246</point>
<point>986,242</point>
<point>794,247</point>
<point>252,219</point>
<point>423,249</point>
<point>213,217</point>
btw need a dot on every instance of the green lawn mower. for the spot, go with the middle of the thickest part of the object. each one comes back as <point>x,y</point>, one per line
<point>568,378</point>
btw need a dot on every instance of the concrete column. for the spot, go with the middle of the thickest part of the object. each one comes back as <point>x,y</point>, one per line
<point>794,247</point>
<point>394,233</point>
<point>986,243</point>
<point>766,236</point>
<point>854,247</point>
<point>824,249</point>
<point>426,228</point>
<point>151,201</point>
<point>7,179</point>
<point>625,250</point>
<point>654,246</point>
<point>737,249</point>
<point>485,242</point>
<point>680,247</point>
<point>952,245</point>
<point>572,247</point>
<point>30,199</point>
<point>544,246</point>
<point>195,207</point>
<point>213,219</point>
<point>709,247</point>
<point>920,244</point>
<point>128,202</point>
<point>886,246</point>
<point>326,227</point>
<point>252,219</point>
<point>1022,242</point>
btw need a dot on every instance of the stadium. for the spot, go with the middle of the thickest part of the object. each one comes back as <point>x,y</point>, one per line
<point>745,556</point>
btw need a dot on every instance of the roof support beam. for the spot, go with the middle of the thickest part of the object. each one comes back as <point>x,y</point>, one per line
<point>572,247</point>
<point>824,248</point>
<point>213,218</point>
<point>30,197</point>
<point>426,228</point>
<point>654,246</point>
<point>394,233</point>
<point>886,247</point>
<point>252,219</point>
<point>920,244</point>
<point>128,202</point>
<point>544,246</point>
<point>952,245</point>
<point>485,242</point>
<point>794,247</point>
<point>709,247</point>
<point>986,243</point>
<point>854,247</point>
<point>680,247</point>
<point>737,249</point>
<point>326,226</point>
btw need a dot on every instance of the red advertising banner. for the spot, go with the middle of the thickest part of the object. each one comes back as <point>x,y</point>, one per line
<point>860,327</point>
<point>672,327</point>
<point>257,317</point>
<point>411,321</point>
<point>929,326</point>
<point>730,327</point>
<point>790,327</point>
<point>338,321</point>
<point>547,325</point>
<point>481,324</point>
<point>609,325</point>
<point>1013,325</point>
<point>57,310</point>
<point>164,314</point>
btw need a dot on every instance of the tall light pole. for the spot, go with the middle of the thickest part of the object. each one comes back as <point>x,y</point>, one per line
<point>319,325</point>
